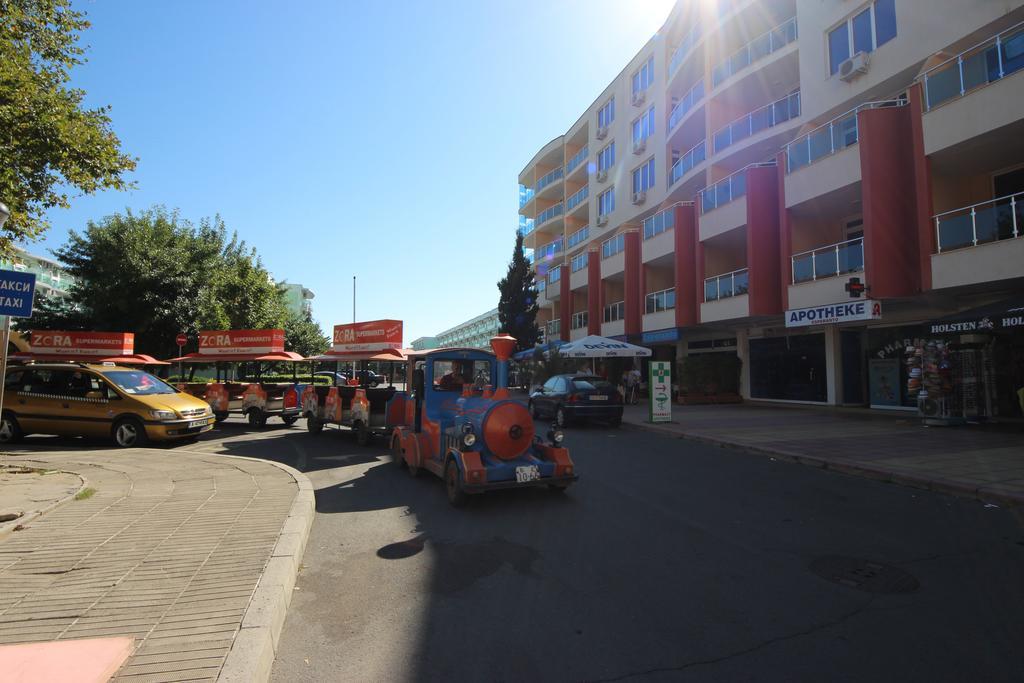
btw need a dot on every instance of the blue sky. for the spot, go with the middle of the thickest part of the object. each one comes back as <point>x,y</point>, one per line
<point>381,140</point>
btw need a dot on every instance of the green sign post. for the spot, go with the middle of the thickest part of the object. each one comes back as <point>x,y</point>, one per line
<point>660,391</point>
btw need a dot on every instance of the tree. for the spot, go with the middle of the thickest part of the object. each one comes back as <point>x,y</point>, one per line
<point>49,142</point>
<point>517,305</point>
<point>303,335</point>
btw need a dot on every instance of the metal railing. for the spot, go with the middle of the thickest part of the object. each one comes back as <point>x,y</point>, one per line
<point>830,137</point>
<point>683,49</point>
<point>989,221</point>
<point>579,320</point>
<point>549,213</point>
<point>525,195</point>
<point>554,327</point>
<point>760,119</point>
<point>685,163</point>
<point>727,285</point>
<point>656,302</point>
<point>549,249</point>
<point>554,275</point>
<point>576,159</point>
<point>577,198</point>
<point>828,261</point>
<point>765,44</point>
<point>579,262</point>
<point>549,178</point>
<point>579,236</point>
<point>684,105</point>
<point>976,67</point>
<point>613,245</point>
<point>615,311</point>
<point>728,189</point>
<point>525,226</point>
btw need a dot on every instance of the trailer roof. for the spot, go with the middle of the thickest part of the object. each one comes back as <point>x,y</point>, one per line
<point>132,359</point>
<point>272,357</point>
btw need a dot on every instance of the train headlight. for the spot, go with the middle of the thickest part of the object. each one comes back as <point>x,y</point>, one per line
<point>468,439</point>
<point>556,436</point>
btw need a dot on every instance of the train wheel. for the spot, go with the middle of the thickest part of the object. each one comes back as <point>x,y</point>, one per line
<point>314,426</point>
<point>256,417</point>
<point>363,435</point>
<point>453,485</point>
<point>396,451</point>
<point>290,420</point>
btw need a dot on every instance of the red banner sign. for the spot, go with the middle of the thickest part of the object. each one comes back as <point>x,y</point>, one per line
<point>375,335</point>
<point>83,343</point>
<point>222,342</point>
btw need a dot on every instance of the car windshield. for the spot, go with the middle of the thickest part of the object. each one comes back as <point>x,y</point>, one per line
<point>138,383</point>
<point>592,384</point>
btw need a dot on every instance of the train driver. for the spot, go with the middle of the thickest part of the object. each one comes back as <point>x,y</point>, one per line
<point>453,379</point>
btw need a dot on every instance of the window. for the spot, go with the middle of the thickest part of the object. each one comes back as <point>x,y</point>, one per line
<point>606,202</point>
<point>579,320</point>
<point>450,375</point>
<point>643,127</point>
<point>606,157</point>
<point>864,32</point>
<point>615,311</point>
<point>658,223</point>
<point>665,300</point>
<point>644,76</point>
<point>579,262</point>
<point>606,114</point>
<point>643,177</point>
<point>613,245</point>
<point>555,275</point>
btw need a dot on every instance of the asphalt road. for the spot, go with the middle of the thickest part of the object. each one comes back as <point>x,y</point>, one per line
<point>669,560</point>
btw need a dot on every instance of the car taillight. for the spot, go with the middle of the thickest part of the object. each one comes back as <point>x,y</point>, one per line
<point>572,398</point>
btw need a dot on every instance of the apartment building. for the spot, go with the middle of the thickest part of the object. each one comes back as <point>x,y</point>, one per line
<point>473,333</point>
<point>755,155</point>
<point>51,279</point>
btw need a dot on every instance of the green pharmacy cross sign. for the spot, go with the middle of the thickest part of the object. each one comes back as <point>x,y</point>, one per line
<point>660,391</point>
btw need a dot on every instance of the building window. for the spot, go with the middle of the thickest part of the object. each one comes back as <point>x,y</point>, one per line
<point>643,177</point>
<point>613,245</point>
<point>606,202</point>
<point>606,157</point>
<point>554,327</point>
<point>606,114</point>
<point>615,311</point>
<point>542,285</point>
<point>863,32</point>
<point>578,262</point>
<point>579,320</point>
<point>644,76</point>
<point>659,223</point>
<point>643,127</point>
<point>656,302</point>
<point>554,275</point>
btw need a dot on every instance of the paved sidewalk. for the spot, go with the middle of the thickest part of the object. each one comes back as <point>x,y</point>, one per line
<point>27,492</point>
<point>168,550</point>
<point>983,462</point>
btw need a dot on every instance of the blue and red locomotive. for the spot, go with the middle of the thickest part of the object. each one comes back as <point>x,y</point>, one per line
<point>459,423</point>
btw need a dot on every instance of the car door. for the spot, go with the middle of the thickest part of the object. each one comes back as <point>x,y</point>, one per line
<point>543,400</point>
<point>41,404</point>
<point>88,404</point>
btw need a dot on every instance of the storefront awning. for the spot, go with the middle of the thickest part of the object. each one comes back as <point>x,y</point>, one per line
<point>394,355</point>
<point>272,357</point>
<point>132,359</point>
<point>1007,314</point>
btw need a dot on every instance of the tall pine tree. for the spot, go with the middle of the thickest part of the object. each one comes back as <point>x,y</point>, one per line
<point>517,306</point>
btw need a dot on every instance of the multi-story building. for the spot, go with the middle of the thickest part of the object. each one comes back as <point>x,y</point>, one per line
<point>475,332</point>
<point>756,154</point>
<point>296,297</point>
<point>51,278</point>
<point>424,343</point>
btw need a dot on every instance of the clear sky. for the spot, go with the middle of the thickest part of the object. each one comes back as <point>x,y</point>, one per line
<point>376,139</point>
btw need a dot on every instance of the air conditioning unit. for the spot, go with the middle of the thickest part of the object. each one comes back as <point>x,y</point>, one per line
<point>602,176</point>
<point>639,146</point>
<point>639,197</point>
<point>854,66</point>
<point>602,132</point>
<point>639,97</point>
<point>602,219</point>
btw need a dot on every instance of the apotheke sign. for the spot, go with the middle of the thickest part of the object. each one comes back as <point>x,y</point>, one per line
<point>834,313</point>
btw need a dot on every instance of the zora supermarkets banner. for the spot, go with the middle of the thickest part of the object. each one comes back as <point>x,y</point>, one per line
<point>375,335</point>
<point>225,342</point>
<point>83,343</point>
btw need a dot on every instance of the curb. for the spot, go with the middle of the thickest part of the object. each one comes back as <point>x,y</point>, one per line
<point>7,528</point>
<point>990,493</point>
<point>252,652</point>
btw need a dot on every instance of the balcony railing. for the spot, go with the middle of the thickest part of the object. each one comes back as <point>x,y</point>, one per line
<point>829,138</point>
<point>728,285</point>
<point>683,49</point>
<point>757,49</point>
<point>525,226</point>
<point>986,62</point>
<point>683,106</point>
<point>728,189</point>
<point>554,327</point>
<point>579,320</point>
<point>549,249</point>
<point>549,178</point>
<point>525,195</point>
<point>549,213</point>
<point>686,162</point>
<point>830,261</point>
<point>577,158</point>
<point>989,221</point>
<point>760,119</point>
<point>615,311</point>
<point>579,237</point>
<point>554,275</point>
<point>656,302</point>
<point>577,198</point>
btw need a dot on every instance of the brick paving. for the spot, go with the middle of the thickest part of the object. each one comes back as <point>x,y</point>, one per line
<point>982,461</point>
<point>167,552</point>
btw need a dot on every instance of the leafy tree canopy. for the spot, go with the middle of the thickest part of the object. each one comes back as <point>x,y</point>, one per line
<point>50,143</point>
<point>517,305</point>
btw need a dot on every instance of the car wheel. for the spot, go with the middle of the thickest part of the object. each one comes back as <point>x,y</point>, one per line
<point>220,416</point>
<point>10,430</point>
<point>313,425</point>
<point>130,433</point>
<point>396,452</point>
<point>453,484</point>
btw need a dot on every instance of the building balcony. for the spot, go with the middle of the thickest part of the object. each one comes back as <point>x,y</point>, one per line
<point>658,321</point>
<point>577,162</point>
<point>659,310</point>
<point>683,49</point>
<point>687,162</point>
<point>979,243</point>
<point>549,184</point>
<point>727,285</point>
<point>578,278</point>
<point>686,104</point>
<point>550,220</point>
<point>576,205</point>
<point>725,309</point>
<point>723,205</point>
<point>615,328</point>
<point>757,50</point>
<point>614,312</point>
<point>816,274</point>
<point>578,237</point>
<point>657,245</point>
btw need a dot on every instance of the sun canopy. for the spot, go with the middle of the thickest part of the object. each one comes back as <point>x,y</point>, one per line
<point>593,346</point>
<point>527,354</point>
<point>128,359</point>
<point>272,357</point>
<point>395,355</point>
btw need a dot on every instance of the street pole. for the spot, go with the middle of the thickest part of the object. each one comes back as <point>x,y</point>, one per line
<point>3,360</point>
<point>353,298</point>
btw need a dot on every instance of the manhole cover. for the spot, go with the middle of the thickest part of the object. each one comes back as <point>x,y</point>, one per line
<point>864,575</point>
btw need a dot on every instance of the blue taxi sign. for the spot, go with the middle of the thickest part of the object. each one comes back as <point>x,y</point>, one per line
<point>17,291</point>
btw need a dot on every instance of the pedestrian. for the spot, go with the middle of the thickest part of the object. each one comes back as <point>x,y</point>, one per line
<point>633,385</point>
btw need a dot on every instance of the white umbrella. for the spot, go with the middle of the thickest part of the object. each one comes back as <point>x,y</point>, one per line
<point>594,346</point>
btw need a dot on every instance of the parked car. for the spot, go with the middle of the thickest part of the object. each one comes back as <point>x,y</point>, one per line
<point>369,378</point>
<point>336,378</point>
<point>565,398</point>
<point>79,399</point>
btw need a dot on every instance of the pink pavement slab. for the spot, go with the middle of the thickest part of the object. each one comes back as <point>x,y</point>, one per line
<point>90,660</point>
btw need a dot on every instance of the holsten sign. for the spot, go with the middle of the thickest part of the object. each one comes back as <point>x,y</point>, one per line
<point>83,343</point>
<point>375,335</point>
<point>834,313</point>
<point>225,342</point>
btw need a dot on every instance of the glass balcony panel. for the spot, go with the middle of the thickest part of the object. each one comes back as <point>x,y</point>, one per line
<point>797,155</point>
<point>820,143</point>
<point>1012,47</point>
<point>780,112</point>
<point>707,199</point>
<point>670,299</point>
<point>761,47</point>
<point>825,264</point>
<point>955,231</point>
<point>723,193</point>
<point>739,60</point>
<point>976,69</point>
<point>725,285</point>
<point>742,282</point>
<point>710,290</point>
<point>943,85</point>
<point>803,268</point>
<point>723,139</point>
<point>761,119</point>
<point>740,130</point>
<point>1019,211</point>
<point>994,222</point>
<point>851,256</point>
<point>720,73</point>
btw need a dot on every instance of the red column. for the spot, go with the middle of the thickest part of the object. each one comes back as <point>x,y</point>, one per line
<point>892,263</point>
<point>565,303</point>
<point>633,284</point>
<point>698,274</point>
<point>594,306</point>
<point>922,186</point>
<point>763,240</point>
<point>685,240</point>
<point>785,235</point>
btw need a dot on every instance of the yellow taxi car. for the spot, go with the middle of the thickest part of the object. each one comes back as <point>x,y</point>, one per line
<point>80,399</point>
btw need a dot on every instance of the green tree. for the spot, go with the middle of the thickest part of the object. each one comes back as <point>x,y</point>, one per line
<point>50,143</point>
<point>517,304</point>
<point>303,335</point>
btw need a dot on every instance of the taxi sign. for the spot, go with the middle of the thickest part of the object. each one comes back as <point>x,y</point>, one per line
<point>16,293</point>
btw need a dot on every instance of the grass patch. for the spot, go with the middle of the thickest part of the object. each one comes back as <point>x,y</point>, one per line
<point>85,493</point>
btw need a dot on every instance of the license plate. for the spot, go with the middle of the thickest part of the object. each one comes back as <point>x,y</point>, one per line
<point>527,473</point>
<point>198,423</point>
<point>598,398</point>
